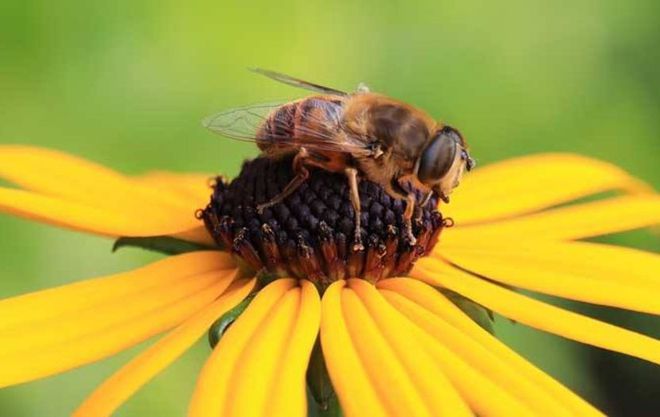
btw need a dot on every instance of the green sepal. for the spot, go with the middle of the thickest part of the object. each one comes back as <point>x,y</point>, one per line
<point>220,326</point>
<point>478,313</point>
<point>320,387</point>
<point>264,278</point>
<point>162,244</point>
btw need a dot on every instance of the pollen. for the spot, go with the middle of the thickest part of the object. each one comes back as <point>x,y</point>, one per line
<point>310,234</point>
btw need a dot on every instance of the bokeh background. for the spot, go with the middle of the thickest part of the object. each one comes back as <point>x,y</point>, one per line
<point>125,83</point>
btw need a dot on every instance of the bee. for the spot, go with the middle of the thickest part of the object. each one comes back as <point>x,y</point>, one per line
<point>360,134</point>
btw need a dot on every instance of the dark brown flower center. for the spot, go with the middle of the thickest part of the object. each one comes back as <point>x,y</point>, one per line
<point>310,234</point>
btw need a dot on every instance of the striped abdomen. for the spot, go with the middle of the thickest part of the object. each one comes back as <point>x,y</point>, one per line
<point>310,119</point>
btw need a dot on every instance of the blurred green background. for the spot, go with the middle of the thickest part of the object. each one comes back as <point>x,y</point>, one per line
<point>126,83</point>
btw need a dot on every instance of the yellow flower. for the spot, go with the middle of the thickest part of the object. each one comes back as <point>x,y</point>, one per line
<point>397,348</point>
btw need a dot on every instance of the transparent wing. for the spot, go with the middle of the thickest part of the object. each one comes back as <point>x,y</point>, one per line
<point>296,82</point>
<point>241,123</point>
<point>249,124</point>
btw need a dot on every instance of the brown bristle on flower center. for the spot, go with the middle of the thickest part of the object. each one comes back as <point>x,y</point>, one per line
<point>310,234</point>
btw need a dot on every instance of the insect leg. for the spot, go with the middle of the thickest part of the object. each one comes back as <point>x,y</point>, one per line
<point>426,199</point>
<point>352,175</point>
<point>302,173</point>
<point>407,216</point>
<point>395,189</point>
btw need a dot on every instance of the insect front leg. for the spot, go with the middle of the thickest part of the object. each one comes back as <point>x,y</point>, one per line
<point>302,174</point>
<point>395,189</point>
<point>426,199</point>
<point>352,175</point>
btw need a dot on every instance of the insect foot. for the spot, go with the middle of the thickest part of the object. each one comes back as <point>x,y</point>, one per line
<point>310,233</point>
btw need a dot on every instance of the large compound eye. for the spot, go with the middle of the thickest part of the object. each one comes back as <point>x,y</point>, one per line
<point>438,157</point>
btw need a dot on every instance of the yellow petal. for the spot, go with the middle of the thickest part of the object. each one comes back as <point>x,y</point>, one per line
<point>536,313</point>
<point>250,392</point>
<point>446,322</point>
<point>270,314</point>
<point>80,217</point>
<point>355,390</point>
<point>395,388</point>
<point>480,358</point>
<point>574,222</point>
<point>600,274</point>
<point>70,192</point>
<point>57,174</point>
<point>68,328</point>
<point>58,329</point>
<point>191,187</point>
<point>527,184</point>
<point>288,394</point>
<point>28,309</point>
<point>399,365</point>
<point>484,396</point>
<point>124,383</point>
<point>251,381</point>
<point>31,363</point>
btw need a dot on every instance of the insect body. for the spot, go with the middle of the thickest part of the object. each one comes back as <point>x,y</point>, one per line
<point>363,135</point>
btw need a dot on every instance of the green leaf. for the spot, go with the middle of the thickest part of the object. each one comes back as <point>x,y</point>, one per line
<point>163,244</point>
<point>320,386</point>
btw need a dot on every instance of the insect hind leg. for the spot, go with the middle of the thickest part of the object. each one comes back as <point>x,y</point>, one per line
<point>302,174</point>
<point>395,189</point>
<point>352,175</point>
